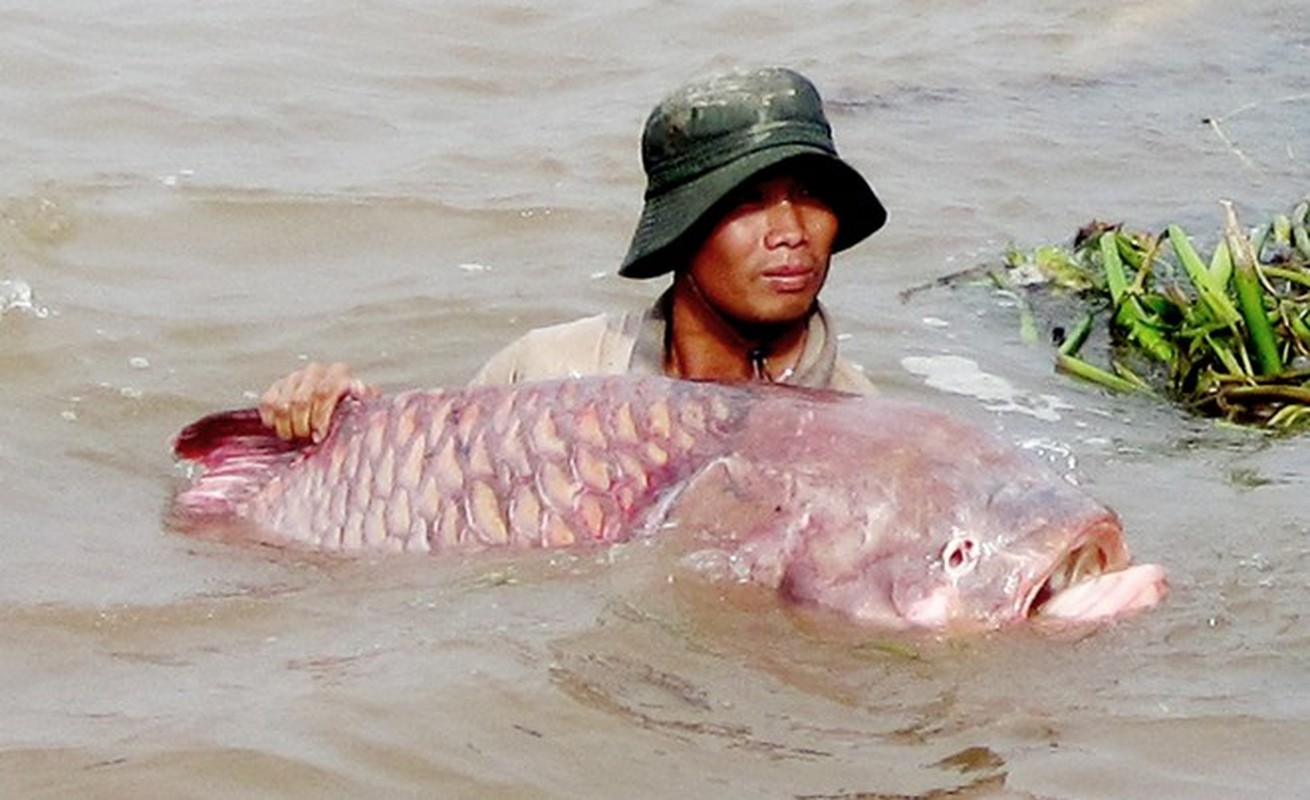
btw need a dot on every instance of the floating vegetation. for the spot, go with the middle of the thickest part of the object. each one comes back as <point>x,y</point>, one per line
<point>1226,334</point>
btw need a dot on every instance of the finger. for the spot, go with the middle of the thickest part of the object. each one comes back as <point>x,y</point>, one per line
<point>282,424</point>
<point>271,404</point>
<point>301,404</point>
<point>266,415</point>
<point>331,383</point>
<point>321,418</point>
<point>300,414</point>
<point>277,404</point>
<point>301,392</point>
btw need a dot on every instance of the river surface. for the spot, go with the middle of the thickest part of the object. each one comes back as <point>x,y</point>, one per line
<point>196,198</point>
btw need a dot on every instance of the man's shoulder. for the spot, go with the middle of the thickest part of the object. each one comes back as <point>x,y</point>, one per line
<point>594,345</point>
<point>849,377</point>
<point>576,329</point>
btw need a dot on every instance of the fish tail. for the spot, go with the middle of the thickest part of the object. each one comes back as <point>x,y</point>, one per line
<point>237,453</point>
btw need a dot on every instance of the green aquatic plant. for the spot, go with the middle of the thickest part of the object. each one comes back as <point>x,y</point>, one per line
<point>1227,336</point>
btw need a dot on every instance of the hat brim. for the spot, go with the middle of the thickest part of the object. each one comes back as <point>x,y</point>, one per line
<point>668,217</point>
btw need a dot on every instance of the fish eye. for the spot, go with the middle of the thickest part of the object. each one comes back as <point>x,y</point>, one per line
<point>960,555</point>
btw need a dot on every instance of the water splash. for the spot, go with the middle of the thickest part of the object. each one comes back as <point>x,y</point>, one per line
<point>16,296</point>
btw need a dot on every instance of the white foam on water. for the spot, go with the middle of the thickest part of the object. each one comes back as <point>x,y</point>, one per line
<point>959,375</point>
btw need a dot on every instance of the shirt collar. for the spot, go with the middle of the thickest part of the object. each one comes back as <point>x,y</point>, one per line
<point>814,369</point>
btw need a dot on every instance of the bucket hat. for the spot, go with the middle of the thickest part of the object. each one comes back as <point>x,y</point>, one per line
<point>710,136</point>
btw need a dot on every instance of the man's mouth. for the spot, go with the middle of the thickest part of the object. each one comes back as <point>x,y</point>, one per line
<point>789,278</point>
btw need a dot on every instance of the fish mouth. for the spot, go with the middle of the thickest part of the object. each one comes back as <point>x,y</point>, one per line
<point>1091,577</point>
<point>1082,563</point>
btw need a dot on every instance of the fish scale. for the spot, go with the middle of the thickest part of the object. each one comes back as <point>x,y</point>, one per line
<point>535,466</point>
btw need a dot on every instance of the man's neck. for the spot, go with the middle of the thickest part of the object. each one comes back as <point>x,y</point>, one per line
<point>702,344</point>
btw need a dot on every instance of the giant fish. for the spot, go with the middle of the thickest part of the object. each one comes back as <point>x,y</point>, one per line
<point>887,512</point>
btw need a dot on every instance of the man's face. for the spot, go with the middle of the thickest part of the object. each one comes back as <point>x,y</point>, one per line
<point>765,260</point>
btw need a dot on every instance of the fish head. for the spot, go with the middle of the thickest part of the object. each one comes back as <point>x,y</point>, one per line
<point>902,516</point>
<point>970,555</point>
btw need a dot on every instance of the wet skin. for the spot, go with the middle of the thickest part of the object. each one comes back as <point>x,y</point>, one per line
<point>753,282</point>
<point>766,259</point>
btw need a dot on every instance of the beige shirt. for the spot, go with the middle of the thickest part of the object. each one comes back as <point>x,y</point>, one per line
<point>633,343</point>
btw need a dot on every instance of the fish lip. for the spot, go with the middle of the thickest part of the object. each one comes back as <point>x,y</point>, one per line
<point>1102,540</point>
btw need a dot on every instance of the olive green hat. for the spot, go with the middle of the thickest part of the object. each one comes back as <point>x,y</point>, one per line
<point>712,135</point>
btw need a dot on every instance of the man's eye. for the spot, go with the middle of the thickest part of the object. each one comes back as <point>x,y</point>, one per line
<point>803,191</point>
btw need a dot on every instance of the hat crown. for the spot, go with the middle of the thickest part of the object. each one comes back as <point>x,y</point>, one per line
<point>710,123</point>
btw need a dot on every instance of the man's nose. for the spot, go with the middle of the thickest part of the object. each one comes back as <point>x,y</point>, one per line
<point>786,225</point>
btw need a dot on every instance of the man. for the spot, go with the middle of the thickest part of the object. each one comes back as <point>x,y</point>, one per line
<point>746,201</point>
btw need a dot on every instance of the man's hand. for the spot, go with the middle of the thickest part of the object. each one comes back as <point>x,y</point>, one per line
<point>300,405</point>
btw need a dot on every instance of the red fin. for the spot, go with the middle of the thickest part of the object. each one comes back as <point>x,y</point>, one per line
<point>238,455</point>
<point>211,440</point>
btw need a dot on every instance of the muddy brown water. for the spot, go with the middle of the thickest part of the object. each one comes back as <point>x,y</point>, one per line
<point>195,200</point>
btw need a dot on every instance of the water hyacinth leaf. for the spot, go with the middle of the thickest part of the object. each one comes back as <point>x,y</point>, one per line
<point>1060,268</point>
<point>1127,374</point>
<point>1130,314</point>
<point>1115,280</point>
<point>1282,230</point>
<point>1221,265</point>
<point>1165,306</point>
<point>1294,317</point>
<point>1250,295</point>
<point>1292,275</point>
<point>1227,330</point>
<point>1211,294</point>
<point>1258,238</point>
<point>1082,369</point>
<point>1226,357</point>
<point>1142,328</point>
<point>1290,416</point>
<point>1074,341</point>
<point>1300,236</point>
